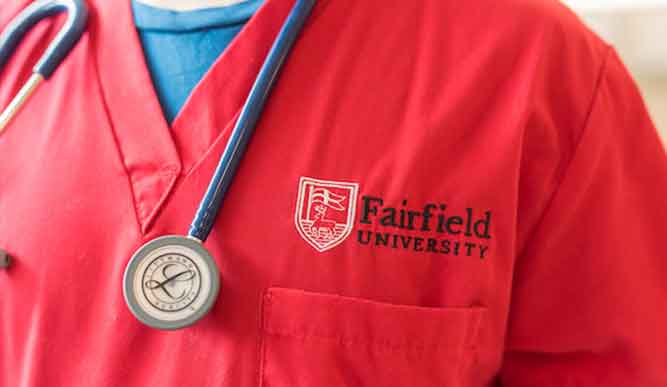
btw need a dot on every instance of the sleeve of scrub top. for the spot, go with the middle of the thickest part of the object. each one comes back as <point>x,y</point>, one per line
<point>589,300</point>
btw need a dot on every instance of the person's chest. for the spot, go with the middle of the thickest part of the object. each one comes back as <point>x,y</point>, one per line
<point>368,177</point>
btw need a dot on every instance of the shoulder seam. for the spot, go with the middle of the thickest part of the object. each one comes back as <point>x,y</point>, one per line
<point>596,92</point>
<point>568,163</point>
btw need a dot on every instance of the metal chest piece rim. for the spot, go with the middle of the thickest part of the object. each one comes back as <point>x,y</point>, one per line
<point>171,282</point>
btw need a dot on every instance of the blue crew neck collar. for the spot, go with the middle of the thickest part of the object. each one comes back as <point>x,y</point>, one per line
<point>147,17</point>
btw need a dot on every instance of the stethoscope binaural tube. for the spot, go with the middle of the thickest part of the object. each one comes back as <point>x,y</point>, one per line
<point>173,281</point>
<point>62,44</point>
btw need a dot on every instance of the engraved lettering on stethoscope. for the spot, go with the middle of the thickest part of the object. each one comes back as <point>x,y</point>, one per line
<point>182,276</point>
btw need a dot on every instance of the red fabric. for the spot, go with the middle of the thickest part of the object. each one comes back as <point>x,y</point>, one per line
<point>510,115</point>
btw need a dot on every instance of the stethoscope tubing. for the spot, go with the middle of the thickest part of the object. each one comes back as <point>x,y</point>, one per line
<point>62,44</point>
<point>250,114</point>
<point>55,53</point>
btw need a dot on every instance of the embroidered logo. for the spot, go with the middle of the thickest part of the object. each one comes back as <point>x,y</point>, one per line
<point>325,211</point>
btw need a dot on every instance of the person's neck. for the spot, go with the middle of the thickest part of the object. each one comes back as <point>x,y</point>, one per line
<point>189,5</point>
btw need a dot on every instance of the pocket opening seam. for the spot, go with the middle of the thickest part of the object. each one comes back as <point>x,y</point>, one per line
<point>378,344</point>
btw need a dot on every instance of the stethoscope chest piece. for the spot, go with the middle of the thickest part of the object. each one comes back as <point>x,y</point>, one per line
<point>171,282</point>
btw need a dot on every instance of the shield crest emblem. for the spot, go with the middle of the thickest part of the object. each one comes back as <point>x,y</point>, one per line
<point>325,211</point>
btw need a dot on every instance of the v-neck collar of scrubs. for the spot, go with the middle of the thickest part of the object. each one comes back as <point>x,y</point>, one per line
<point>156,155</point>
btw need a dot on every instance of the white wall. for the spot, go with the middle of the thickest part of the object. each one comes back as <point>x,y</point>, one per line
<point>638,30</point>
<point>614,4</point>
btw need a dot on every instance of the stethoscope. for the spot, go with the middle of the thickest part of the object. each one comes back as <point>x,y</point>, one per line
<point>172,281</point>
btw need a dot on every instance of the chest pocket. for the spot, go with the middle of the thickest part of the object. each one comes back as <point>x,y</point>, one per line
<point>315,340</point>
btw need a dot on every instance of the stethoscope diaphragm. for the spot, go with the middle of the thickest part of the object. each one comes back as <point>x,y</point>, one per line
<point>171,282</point>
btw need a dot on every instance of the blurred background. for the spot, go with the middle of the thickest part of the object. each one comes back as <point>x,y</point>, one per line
<point>638,30</point>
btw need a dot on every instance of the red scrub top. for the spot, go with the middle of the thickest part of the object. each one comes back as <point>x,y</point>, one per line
<point>439,193</point>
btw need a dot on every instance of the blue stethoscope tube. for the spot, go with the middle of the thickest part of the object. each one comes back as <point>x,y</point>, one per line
<point>224,174</point>
<point>62,44</point>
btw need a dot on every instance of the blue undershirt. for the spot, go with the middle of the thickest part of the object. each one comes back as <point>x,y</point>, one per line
<point>180,47</point>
